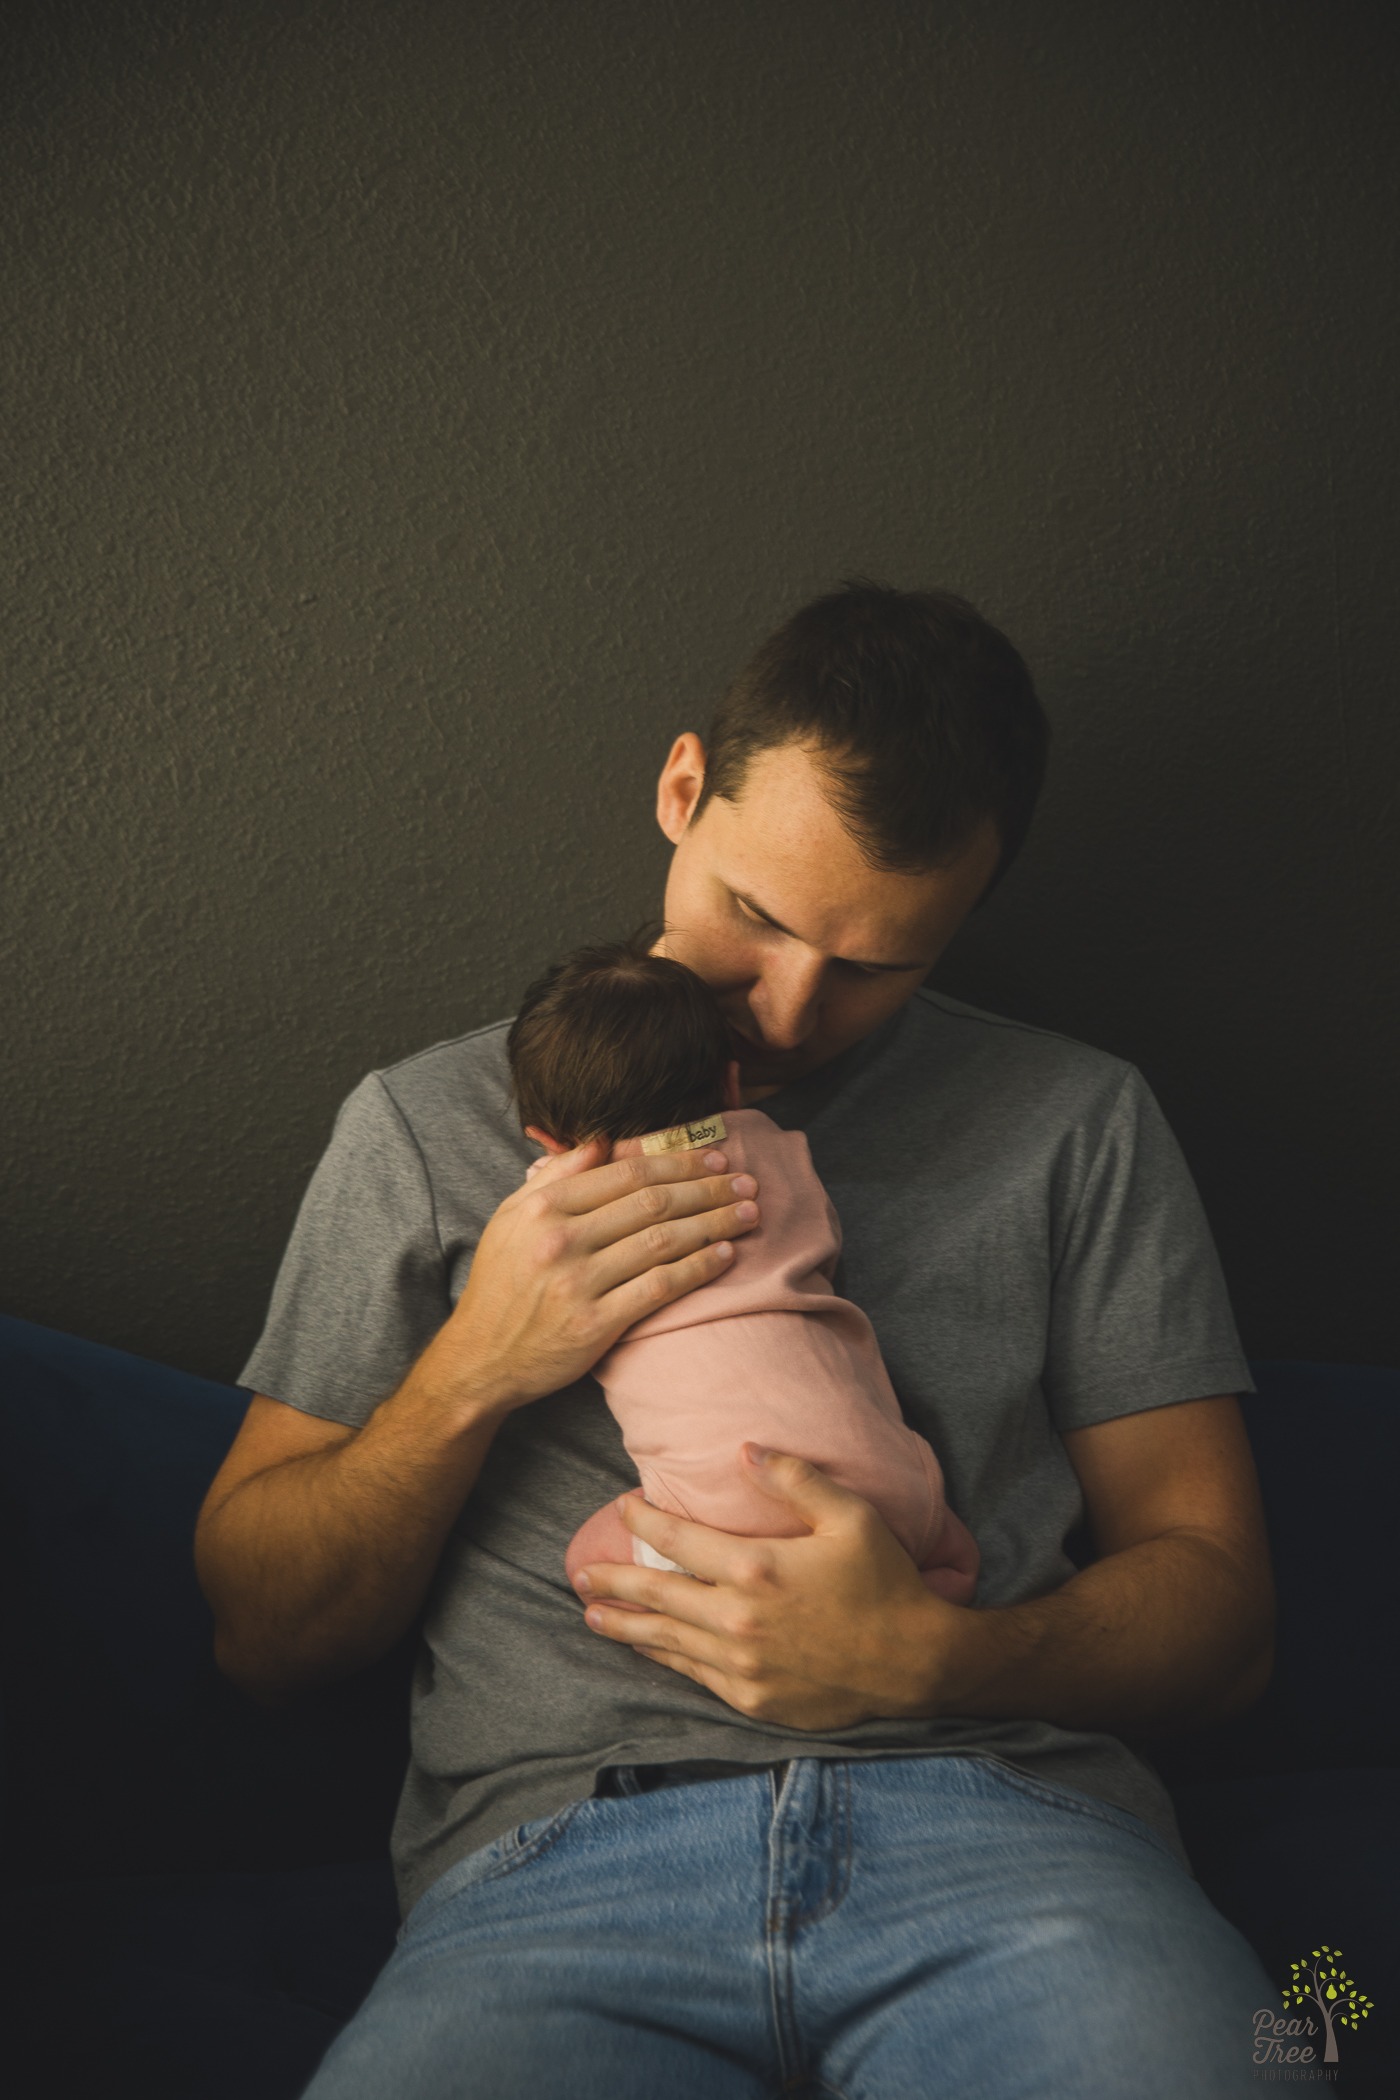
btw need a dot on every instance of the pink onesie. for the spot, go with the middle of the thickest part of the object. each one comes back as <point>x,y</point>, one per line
<point>769,1353</point>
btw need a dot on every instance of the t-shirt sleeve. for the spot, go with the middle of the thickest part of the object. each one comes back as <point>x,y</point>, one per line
<point>363,1285</point>
<point>1140,1315</point>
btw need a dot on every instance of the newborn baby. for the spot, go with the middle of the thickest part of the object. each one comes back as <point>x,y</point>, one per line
<point>618,1043</point>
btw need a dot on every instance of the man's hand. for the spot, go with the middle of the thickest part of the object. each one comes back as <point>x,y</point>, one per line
<point>1171,1629</point>
<point>577,1254</point>
<point>815,1632</point>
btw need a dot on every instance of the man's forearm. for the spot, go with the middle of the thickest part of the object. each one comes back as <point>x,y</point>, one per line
<point>1171,1634</point>
<point>315,1567</point>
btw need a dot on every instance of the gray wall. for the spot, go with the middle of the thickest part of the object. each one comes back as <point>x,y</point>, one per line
<point>417,411</point>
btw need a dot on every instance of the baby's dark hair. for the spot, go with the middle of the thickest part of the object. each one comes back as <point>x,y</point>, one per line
<point>614,1042</point>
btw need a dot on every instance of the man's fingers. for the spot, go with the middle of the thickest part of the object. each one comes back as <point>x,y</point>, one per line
<point>676,1613</point>
<point>665,1239</point>
<point>655,1286</point>
<point>670,1221</point>
<point>661,1591</point>
<point>562,1166</point>
<point>641,1189</point>
<point>715,1556</point>
<point>670,1637</point>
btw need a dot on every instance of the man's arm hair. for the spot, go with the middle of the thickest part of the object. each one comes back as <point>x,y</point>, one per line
<point>317,1542</point>
<point>1172,1628</point>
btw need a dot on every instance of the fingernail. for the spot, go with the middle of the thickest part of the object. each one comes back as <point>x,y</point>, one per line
<point>744,1185</point>
<point>759,1454</point>
<point>582,1584</point>
<point>715,1161</point>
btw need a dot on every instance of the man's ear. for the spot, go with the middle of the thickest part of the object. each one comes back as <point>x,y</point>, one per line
<point>732,1096</point>
<point>542,1137</point>
<point>678,789</point>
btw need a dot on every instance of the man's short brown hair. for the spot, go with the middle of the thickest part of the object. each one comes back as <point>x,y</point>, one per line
<point>921,714</point>
<point>613,1042</point>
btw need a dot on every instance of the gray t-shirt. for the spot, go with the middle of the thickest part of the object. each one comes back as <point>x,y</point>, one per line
<point>1023,1233</point>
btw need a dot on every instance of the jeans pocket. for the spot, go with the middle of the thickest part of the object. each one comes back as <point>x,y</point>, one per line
<point>503,1855</point>
<point>1073,1802</point>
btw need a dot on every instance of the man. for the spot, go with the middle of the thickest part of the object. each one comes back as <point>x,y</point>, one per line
<point>799,1825</point>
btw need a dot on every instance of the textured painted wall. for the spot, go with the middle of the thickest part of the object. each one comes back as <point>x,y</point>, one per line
<point>416,412</point>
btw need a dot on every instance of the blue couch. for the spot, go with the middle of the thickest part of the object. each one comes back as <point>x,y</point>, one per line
<point>197,1889</point>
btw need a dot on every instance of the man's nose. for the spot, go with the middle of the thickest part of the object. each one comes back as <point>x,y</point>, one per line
<point>788,1003</point>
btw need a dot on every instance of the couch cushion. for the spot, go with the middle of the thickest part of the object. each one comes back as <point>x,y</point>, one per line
<point>125,1749</point>
<point>191,1987</point>
<point>1326,1441</point>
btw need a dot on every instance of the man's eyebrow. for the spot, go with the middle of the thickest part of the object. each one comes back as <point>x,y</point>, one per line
<point>853,960</point>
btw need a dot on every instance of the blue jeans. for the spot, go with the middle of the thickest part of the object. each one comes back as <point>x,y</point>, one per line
<point>892,1929</point>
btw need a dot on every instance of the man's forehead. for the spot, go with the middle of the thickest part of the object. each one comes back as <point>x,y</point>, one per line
<point>815,885</point>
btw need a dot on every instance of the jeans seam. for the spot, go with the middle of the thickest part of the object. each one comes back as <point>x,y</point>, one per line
<point>840,1771</point>
<point>778,1951</point>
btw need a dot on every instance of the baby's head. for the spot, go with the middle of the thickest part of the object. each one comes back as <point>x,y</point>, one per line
<point>613,1042</point>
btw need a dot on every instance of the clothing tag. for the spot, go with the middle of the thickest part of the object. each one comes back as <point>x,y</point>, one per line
<point>684,1137</point>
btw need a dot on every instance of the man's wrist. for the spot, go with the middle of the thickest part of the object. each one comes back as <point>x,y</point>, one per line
<point>459,1392</point>
<point>963,1655</point>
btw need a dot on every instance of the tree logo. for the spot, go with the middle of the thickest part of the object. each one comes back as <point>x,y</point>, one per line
<point>1336,1996</point>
